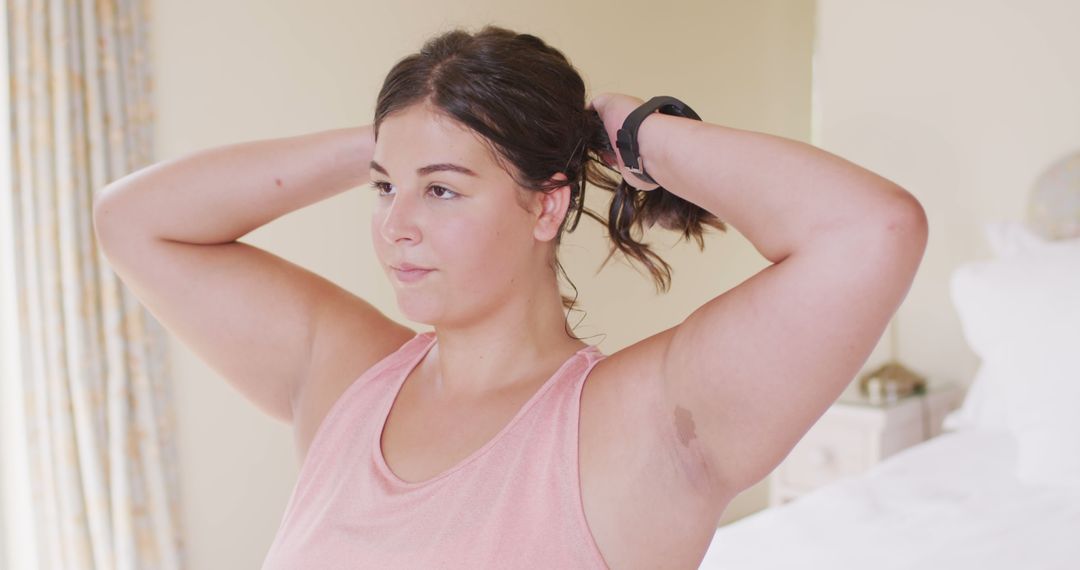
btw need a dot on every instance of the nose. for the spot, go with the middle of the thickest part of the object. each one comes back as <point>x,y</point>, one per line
<point>398,220</point>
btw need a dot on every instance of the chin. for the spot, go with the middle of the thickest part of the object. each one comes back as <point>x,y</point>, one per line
<point>419,310</point>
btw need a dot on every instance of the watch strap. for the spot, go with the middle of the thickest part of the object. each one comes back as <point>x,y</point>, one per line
<point>626,138</point>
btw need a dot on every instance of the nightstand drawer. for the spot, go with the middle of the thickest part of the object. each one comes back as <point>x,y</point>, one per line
<point>824,455</point>
<point>854,434</point>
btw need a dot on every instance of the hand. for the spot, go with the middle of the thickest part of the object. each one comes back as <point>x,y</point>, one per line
<point>613,109</point>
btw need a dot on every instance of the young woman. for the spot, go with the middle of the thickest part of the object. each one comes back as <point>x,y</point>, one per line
<point>499,439</point>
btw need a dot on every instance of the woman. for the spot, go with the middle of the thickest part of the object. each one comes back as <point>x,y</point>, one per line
<point>480,443</point>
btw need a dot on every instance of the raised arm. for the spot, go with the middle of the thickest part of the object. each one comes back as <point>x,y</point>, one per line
<point>171,231</point>
<point>748,373</point>
<point>218,195</point>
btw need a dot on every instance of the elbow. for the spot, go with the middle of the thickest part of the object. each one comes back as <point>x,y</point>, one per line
<point>907,219</point>
<point>98,216</point>
<point>102,202</point>
<point>104,214</point>
<point>904,228</point>
<point>892,212</point>
<point>99,208</point>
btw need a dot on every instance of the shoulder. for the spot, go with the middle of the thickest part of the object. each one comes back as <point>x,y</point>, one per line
<point>347,358</point>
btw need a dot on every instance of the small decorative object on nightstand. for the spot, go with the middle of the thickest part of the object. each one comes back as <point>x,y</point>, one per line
<point>858,431</point>
<point>890,381</point>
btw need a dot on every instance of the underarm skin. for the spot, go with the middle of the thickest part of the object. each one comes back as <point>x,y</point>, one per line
<point>684,425</point>
<point>692,458</point>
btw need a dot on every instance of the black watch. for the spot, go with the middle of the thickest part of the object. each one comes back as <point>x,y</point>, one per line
<point>626,138</point>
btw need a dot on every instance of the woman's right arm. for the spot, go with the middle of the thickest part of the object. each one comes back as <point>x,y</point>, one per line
<point>217,195</point>
<point>283,336</point>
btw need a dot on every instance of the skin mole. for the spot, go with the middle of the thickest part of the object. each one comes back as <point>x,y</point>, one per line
<point>277,181</point>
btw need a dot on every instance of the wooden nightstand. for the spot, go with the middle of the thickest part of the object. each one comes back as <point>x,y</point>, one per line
<point>855,433</point>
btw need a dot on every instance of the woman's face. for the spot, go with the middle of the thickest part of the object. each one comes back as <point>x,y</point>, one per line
<point>442,202</point>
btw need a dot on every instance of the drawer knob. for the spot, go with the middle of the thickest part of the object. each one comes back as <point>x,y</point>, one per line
<point>821,456</point>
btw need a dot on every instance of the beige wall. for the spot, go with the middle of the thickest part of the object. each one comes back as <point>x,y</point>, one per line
<point>241,70</point>
<point>963,103</point>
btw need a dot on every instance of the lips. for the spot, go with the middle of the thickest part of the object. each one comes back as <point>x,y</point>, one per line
<point>410,267</point>
<point>411,275</point>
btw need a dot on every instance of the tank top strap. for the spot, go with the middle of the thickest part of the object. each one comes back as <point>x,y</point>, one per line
<point>559,457</point>
<point>357,404</point>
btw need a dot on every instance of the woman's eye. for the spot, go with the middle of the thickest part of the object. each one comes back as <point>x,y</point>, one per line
<point>445,191</point>
<point>383,187</point>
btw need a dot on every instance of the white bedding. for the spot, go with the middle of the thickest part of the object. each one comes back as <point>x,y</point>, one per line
<point>952,502</point>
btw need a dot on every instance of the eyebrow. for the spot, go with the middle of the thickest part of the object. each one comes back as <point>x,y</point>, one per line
<point>425,170</point>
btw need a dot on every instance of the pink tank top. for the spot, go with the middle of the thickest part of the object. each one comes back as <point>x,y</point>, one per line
<point>513,503</point>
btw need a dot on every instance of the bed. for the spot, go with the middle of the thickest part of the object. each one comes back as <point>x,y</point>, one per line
<point>950,502</point>
<point>1000,488</point>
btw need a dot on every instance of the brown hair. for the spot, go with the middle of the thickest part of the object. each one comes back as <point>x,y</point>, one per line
<point>527,102</point>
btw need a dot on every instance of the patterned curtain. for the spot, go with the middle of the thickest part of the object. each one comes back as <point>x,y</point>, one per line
<point>93,477</point>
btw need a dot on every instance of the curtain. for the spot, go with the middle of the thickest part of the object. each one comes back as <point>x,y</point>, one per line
<point>96,453</point>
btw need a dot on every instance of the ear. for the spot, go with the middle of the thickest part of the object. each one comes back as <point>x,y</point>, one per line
<point>553,208</point>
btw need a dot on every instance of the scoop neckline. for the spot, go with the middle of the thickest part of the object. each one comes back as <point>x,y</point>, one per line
<point>412,363</point>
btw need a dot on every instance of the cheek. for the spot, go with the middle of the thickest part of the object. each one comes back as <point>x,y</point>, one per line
<point>470,250</point>
<point>376,240</point>
<point>480,251</point>
<point>461,243</point>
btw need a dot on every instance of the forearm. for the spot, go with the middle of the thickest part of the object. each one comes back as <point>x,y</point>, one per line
<point>779,193</point>
<point>220,194</point>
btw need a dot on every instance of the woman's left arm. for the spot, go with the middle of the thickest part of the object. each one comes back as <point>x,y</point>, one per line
<point>749,372</point>
<point>781,194</point>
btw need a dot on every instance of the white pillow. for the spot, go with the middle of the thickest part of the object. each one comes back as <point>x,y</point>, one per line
<point>1044,405</point>
<point>985,406</point>
<point>985,403</point>
<point>1008,238</point>
<point>1021,315</point>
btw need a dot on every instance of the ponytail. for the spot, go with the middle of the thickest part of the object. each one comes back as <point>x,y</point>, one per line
<point>632,208</point>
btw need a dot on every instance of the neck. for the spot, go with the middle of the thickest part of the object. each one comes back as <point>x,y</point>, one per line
<point>505,349</point>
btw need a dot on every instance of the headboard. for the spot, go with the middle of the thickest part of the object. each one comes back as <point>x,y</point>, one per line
<point>1054,203</point>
